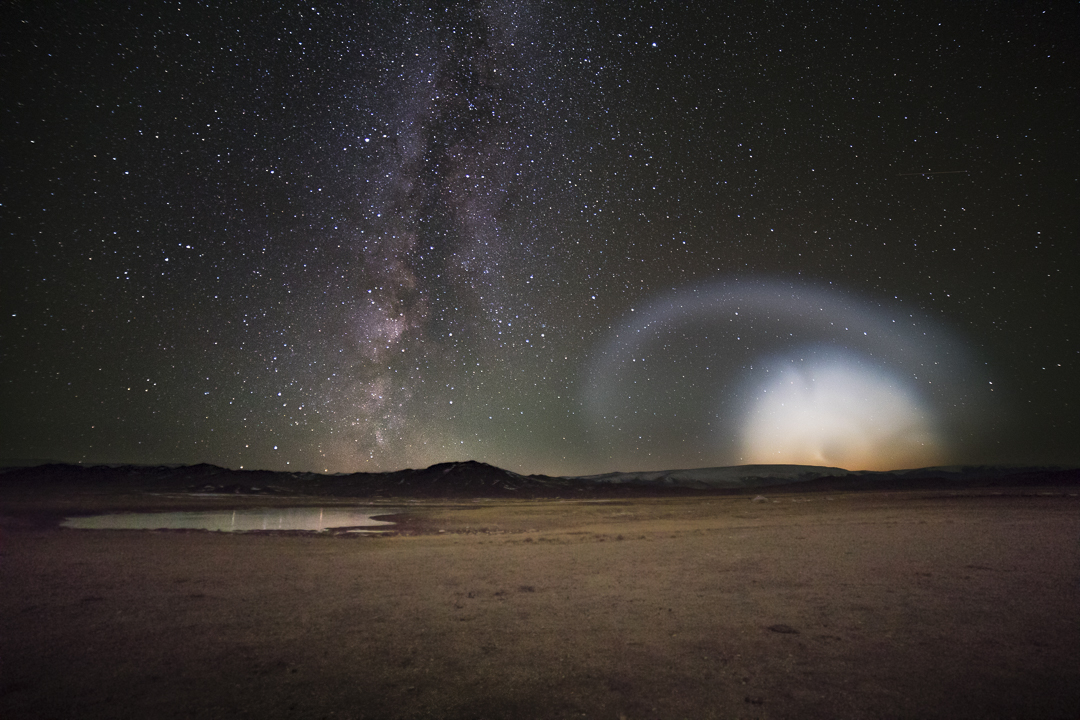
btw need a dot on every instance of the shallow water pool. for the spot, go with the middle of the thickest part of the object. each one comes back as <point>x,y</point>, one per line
<point>310,519</point>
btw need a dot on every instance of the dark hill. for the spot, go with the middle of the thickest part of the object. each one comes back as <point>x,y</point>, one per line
<point>471,479</point>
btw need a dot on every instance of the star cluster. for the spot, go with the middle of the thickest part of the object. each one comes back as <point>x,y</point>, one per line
<point>348,237</point>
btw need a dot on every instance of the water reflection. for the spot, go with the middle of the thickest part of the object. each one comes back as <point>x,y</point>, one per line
<point>313,519</point>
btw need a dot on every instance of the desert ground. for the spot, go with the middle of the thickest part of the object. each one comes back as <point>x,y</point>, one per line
<point>846,605</point>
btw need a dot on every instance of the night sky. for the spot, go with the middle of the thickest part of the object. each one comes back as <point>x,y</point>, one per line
<point>345,237</point>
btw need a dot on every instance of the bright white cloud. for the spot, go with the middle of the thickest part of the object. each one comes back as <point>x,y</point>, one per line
<point>834,411</point>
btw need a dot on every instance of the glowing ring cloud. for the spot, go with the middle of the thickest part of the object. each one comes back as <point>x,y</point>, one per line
<point>748,372</point>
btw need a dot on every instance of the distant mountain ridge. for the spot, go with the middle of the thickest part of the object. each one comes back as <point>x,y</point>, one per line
<point>730,478</point>
<point>471,479</point>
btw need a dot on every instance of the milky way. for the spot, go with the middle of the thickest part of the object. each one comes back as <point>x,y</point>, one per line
<point>555,239</point>
<point>467,139</point>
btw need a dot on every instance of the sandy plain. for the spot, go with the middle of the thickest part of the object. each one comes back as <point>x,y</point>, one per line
<point>856,605</point>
